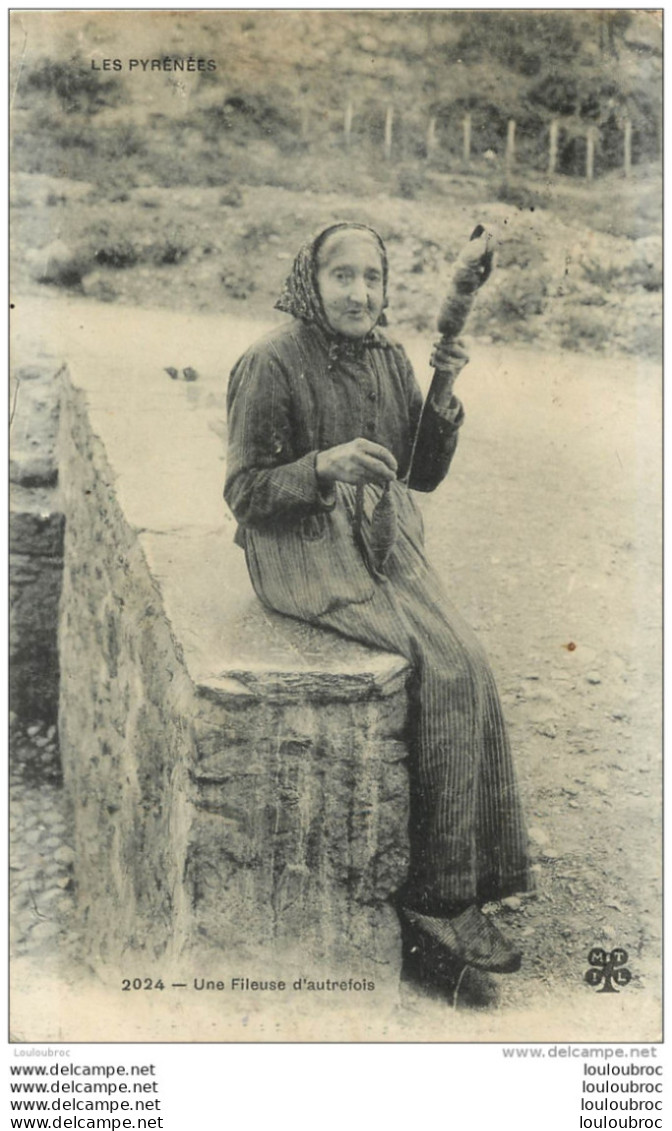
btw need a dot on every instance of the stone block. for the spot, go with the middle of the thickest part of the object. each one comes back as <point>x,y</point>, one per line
<point>35,541</point>
<point>35,524</point>
<point>34,426</point>
<point>35,571</point>
<point>238,778</point>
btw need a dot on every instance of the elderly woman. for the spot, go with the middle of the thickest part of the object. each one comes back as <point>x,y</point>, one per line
<point>325,420</point>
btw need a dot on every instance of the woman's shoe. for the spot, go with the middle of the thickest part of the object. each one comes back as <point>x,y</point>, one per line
<point>428,969</point>
<point>470,938</point>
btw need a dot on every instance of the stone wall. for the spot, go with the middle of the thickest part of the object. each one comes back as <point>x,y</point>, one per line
<point>35,542</point>
<point>238,778</point>
<point>299,824</point>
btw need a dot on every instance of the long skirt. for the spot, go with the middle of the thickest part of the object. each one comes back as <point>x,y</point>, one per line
<point>467,834</point>
<point>468,839</point>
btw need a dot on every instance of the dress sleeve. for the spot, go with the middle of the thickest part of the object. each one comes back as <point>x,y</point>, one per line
<point>437,437</point>
<point>265,484</point>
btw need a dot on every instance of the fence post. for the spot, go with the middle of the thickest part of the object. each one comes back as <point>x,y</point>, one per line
<point>431,135</point>
<point>347,123</point>
<point>627,147</point>
<point>590,153</point>
<point>466,130</point>
<point>389,119</point>
<point>510,145</point>
<point>553,147</point>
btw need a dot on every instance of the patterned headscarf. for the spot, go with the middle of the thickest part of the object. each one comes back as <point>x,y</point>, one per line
<point>301,296</point>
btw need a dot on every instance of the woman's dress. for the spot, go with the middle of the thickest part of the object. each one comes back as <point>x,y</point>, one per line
<point>293,394</point>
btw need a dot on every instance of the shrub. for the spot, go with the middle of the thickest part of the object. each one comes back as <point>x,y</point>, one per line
<point>555,92</point>
<point>169,253</point>
<point>582,330</point>
<point>122,141</point>
<point>98,287</point>
<point>238,286</point>
<point>524,198</point>
<point>232,197</point>
<point>520,298</point>
<point>410,181</point>
<point>642,271</point>
<point>75,137</point>
<point>76,86</point>
<point>517,252</point>
<point>57,264</point>
<point>599,275</point>
<point>250,115</point>
<point>118,254</point>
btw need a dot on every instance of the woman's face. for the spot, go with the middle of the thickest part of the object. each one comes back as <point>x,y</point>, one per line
<point>350,281</point>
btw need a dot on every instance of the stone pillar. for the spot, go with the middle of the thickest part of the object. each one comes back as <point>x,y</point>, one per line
<point>299,820</point>
<point>238,778</point>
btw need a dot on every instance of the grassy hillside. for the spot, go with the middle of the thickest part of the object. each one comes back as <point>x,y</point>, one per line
<point>183,187</point>
<point>285,78</point>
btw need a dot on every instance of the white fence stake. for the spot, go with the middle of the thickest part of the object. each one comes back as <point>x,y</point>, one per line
<point>466,146</point>
<point>590,153</point>
<point>553,147</point>
<point>347,123</point>
<point>627,147</point>
<point>389,119</point>
<point>431,136</point>
<point>510,145</point>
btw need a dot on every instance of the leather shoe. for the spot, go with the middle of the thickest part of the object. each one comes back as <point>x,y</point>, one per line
<point>428,969</point>
<point>470,938</point>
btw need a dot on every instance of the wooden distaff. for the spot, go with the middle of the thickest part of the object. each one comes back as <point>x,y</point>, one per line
<point>473,267</point>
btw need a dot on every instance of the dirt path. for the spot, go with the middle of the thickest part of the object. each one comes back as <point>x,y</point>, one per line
<point>548,533</point>
<point>549,530</point>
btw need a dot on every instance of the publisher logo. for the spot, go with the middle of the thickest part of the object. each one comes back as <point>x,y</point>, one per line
<point>609,969</point>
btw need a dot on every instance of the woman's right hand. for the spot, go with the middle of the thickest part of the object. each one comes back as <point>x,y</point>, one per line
<point>359,461</point>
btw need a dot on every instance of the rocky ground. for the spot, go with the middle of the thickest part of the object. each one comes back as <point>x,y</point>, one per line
<point>41,882</point>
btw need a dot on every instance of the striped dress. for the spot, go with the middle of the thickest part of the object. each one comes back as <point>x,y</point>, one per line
<point>301,390</point>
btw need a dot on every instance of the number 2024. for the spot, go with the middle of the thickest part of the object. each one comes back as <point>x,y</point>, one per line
<point>141,984</point>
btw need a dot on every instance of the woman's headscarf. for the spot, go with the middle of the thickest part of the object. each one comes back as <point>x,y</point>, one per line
<point>301,296</point>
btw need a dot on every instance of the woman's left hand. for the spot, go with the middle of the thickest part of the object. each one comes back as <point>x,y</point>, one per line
<point>448,359</point>
<point>449,356</point>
